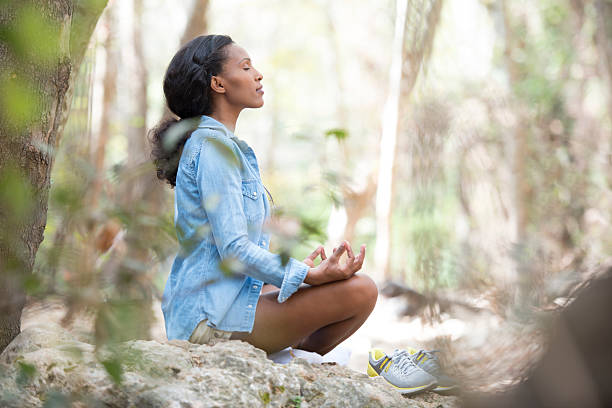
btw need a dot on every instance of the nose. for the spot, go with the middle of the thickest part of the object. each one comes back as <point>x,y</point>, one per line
<point>259,76</point>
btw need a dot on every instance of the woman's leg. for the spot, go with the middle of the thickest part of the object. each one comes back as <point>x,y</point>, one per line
<point>314,318</point>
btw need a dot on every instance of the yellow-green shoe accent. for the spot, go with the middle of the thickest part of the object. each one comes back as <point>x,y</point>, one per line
<point>371,371</point>
<point>428,361</point>
<point>399,371</point>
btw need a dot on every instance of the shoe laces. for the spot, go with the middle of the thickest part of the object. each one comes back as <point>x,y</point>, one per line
<point>402,361</point>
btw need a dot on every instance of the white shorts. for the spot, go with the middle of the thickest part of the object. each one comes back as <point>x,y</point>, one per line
<point>204,334</point>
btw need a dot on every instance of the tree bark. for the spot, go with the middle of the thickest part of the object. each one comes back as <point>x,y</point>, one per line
<point>519,139</point>
<point>198,23</point>
<point>108,102</point>
<point>39,72</point>
<point>604,42</point>
<point>387,144</point>
<point>416,24</point>
<point>140,181</point>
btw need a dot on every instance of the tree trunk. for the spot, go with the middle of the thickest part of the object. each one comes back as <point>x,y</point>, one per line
<point>387,144</point>
<point>109,85</point>
<point>198,23</point>
<point>519,139</point>
<point>356,203</point>
<point>415,28</point>
<point>140,180</point>
<point>604,41</point>
<point>37,74</point>
<point>140,193</point>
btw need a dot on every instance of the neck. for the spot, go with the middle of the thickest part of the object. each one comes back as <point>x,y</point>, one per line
<point>226,114</point>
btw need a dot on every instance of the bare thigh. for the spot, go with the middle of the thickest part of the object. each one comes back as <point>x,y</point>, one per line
<point>309,309</point>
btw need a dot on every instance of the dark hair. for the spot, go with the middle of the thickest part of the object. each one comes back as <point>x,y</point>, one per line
<point>188,96</point>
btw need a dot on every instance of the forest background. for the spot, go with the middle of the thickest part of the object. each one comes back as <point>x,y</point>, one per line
<point>467,143</point>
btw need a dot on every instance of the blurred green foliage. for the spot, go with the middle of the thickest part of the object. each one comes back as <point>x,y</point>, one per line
<point>112,257</point>
<point>16,193</point>
<point>114,370</point>
<point>20,103</point>
<point>33,37</point>
<point>26,373</point>
<point>339,134</point>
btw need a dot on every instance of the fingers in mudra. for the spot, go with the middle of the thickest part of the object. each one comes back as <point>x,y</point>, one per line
<point>314,255</point>
<point>349,251</point>
<point>346,269</point>
<point>323,256</point>
<point>358,260</point>
<point>353,263</point>
<point>338,251</point>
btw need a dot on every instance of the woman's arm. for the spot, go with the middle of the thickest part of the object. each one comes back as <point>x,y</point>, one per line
<point>220,186</point>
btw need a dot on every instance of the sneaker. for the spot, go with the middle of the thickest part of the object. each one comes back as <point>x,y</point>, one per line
<point>428,361</point>
<point>400,371</point>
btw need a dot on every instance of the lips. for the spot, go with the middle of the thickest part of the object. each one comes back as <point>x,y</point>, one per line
<point>260,90</point>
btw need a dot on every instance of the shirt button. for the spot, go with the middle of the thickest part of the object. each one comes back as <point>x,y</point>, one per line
<point>254,193</point>
<point>250,306</point>
<point>255,286</point>
<point>263,242</point>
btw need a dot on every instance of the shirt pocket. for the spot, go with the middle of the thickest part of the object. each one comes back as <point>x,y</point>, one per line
<point>252,196</point>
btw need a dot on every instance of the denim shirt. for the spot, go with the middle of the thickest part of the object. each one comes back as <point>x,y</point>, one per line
<point>223,260</point>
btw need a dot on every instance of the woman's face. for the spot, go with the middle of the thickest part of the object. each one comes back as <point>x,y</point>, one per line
<point>239,81</point>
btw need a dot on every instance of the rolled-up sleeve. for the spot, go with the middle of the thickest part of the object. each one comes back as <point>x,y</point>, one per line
<point>220,186</point>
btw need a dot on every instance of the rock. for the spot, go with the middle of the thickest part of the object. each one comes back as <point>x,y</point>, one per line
<point>46,363</point>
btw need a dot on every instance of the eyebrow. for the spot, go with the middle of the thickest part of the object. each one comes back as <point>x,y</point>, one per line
<point>245,59</point>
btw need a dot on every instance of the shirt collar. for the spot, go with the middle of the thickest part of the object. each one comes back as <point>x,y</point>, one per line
<point>208,122</point>
<point>211,123</point>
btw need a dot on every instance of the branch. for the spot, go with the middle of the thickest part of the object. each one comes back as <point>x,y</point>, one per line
<point>84,20</point>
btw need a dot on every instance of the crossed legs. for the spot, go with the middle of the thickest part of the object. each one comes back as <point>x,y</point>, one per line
<point>314,318</point>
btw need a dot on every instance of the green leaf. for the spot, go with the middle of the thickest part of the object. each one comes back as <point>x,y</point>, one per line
<point>114,370</point>
<point>338,133</point>
<point>265,397</point>
<point>296,402</point>
<point>177,131</point>
<point>32,284</point>
<point>25,374</point>
<point>310,228</point>
<point>284,255</point>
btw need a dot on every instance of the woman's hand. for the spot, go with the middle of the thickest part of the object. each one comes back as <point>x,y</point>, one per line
<point>330,269</point>
<point>315,254</point>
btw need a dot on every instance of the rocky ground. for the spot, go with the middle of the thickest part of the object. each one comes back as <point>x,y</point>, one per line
<point>48,365</point>
<point>483,351</point>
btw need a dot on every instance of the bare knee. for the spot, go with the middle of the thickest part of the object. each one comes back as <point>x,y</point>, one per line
<point>363,291</point>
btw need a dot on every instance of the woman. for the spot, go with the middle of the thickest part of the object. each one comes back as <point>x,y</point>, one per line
<point>224,282</point>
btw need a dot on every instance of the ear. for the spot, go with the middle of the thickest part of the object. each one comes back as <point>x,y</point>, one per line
<point>217,84</point>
